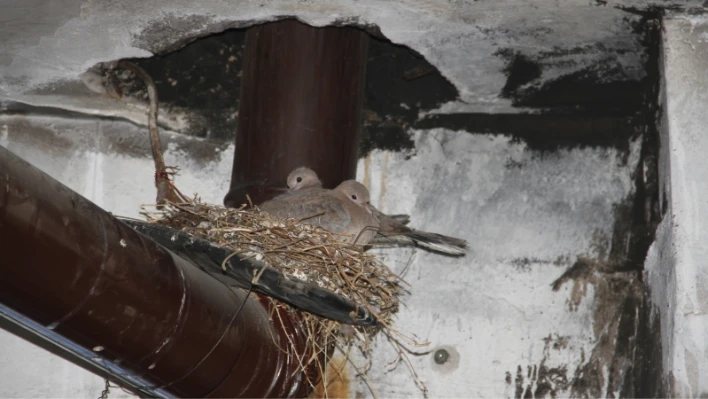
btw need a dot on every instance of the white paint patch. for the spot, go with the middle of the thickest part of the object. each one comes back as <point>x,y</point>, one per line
<point>94,179</point>
<point>29,371</point>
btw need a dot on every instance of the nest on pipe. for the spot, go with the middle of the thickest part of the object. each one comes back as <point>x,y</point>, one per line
<point>305,252</point>
<point>298,250</point>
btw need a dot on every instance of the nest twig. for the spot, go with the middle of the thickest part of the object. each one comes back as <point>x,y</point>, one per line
<point>304,252</point>
<point>166,190</point>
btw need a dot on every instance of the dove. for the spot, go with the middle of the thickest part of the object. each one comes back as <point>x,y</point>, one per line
<point>344,210</point>
<point>392,228</point>
<point>304,178</point>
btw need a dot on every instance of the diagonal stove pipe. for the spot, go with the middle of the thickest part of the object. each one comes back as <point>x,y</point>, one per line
<point>80,283</point>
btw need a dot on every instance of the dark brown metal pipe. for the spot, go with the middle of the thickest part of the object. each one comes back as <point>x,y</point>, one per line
<point>302,92</point>
<point>83,283</point>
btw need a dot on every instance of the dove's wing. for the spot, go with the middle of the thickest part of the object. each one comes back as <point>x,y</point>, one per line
<point>318,207</point>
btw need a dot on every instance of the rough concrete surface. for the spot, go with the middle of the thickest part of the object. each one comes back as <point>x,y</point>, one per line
<point>676,265</point>
<point>472,43</point>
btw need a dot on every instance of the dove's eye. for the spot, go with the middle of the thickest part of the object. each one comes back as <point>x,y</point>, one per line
<point>354,196</point>
<point>299,179</point>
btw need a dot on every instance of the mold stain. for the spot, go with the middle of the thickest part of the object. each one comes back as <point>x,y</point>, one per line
<point>539,380</point>
<point>626,357</point>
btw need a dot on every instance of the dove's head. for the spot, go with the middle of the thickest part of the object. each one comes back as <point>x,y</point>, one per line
<point>303,177</point>
<point>355,192</point>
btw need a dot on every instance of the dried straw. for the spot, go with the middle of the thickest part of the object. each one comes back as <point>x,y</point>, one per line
<point>300,251</point>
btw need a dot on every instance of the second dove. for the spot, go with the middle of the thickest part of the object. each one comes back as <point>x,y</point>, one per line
<point>346,212</point>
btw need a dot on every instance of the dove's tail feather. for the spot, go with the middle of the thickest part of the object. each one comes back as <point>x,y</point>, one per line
<point>430,241</point>
<point>438,242</point>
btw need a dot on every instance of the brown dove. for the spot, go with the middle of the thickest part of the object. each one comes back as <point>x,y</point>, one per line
<point>304,178</point>
<point>343,210</point>
<point>392,228</point>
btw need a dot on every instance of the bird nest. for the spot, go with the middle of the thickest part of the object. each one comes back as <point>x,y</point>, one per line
<point>304,252</point>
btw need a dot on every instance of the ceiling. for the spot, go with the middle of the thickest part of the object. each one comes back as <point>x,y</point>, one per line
<point>497,53</point>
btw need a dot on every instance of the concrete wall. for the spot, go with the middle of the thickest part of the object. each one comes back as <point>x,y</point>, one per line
<point>676,264</point>
<point>527,218</point>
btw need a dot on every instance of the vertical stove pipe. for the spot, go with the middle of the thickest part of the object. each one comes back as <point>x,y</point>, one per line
<point>84,285</point>
<point>302,92</point>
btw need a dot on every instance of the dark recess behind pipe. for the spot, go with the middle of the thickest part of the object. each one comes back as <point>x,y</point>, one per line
<point>72,276</point>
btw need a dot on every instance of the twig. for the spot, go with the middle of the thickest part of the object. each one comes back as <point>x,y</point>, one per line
<point>362,375</point>
<point>320,213</point>
<point>166,191</point>
<point>402,355</point>
<point>228,258</point>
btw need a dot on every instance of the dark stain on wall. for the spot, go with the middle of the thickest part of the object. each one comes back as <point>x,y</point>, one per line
<point>647,378</point>
<point>520,70</point>
<point>539,380</point>
<point>628,337</point>
<point>542,132</point>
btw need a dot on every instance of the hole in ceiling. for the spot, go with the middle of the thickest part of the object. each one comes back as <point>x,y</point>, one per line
<point>203,79</point>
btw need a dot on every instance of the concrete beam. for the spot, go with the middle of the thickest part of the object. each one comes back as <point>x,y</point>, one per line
<point>676,264</point>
